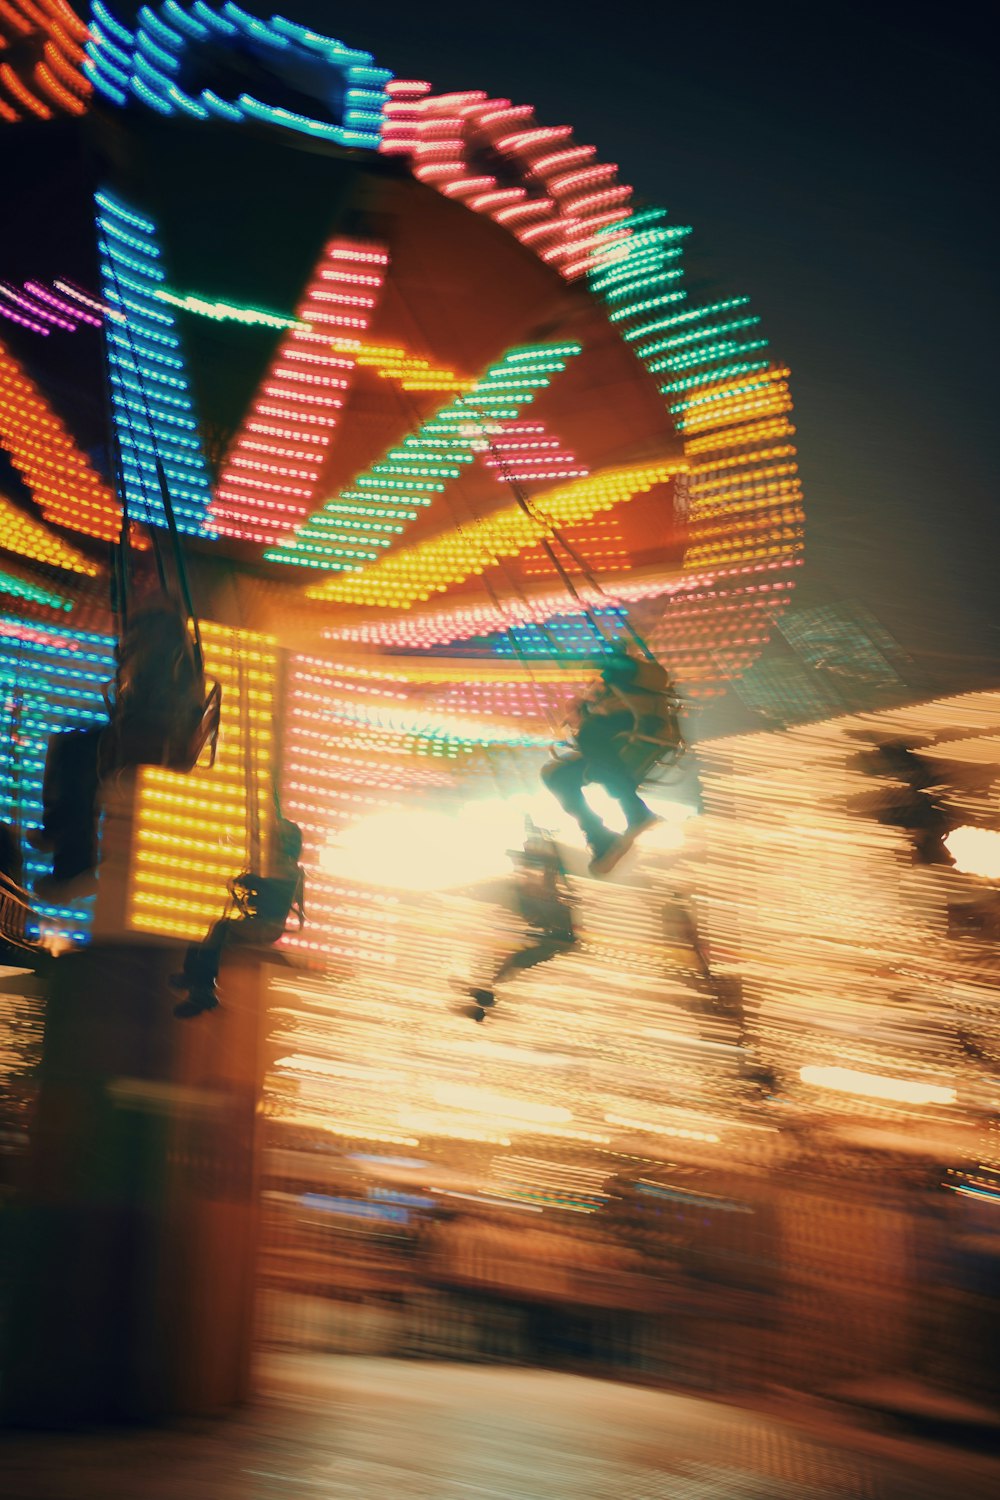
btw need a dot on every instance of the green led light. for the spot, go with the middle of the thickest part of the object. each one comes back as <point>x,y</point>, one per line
<point>226,311</point>
<point>723,372</point>
<point>707,354</point>
<point>696,335</point>
<point>32,593</point>
<point>416,470</point>
<point>696,314</point>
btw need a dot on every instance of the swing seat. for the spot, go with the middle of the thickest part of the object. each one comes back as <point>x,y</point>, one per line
<point>655,740</point>
<point>264,903</point>
<point>161,710</point>
<point>642,753</point>
<point>173,742</point>
<point>18,925</point>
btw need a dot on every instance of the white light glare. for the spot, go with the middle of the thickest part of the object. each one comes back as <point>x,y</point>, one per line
<point>876,1086</point>
<point>976,851</point>
<point>437,850</point>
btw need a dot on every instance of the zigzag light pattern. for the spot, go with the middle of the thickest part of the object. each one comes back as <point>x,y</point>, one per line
<point>271,472</point>
<point>345,534</point>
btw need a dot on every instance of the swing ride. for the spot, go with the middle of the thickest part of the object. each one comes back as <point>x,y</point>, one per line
<point>430,419</point>
<point>354,439</point>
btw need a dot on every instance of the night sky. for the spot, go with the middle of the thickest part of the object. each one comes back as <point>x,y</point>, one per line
<point>834,162</point>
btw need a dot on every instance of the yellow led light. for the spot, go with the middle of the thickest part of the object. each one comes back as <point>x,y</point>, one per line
<point>28,538</point>
<point>415,573</point>
<point>411,371</point>
<point>193,830</point>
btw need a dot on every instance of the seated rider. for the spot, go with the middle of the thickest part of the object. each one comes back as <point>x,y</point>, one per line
<point>263,904</point>
<point>545,903</point>
<point>632,698</point>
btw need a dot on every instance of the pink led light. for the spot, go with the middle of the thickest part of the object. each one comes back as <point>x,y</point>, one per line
<point>570,181</point>
<point>16,317</point>
<point>407,88</point>
<point>78,316</point>
<point>78,296</point>
<point>468,185</point>
<point>572,156</point>
<point>544,135</point>
<point>33,309</point>
<point>488,202</point>
<point>305,390</point>
<point>523,451</point>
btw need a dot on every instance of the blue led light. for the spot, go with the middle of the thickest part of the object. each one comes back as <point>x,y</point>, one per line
<point>163,60</point>
<point>104,18</point>
<point>144,354</point>
<point>182,21</point>
<point>50,679</point>
<point>571,636</point>
<point>153,25</point>
<point>144,65</point>
<point>106,84</point>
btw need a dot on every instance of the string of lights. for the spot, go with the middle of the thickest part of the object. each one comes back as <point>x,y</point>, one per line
<point>388,496</point>
<point>150,392</point>
<point>272,470</point>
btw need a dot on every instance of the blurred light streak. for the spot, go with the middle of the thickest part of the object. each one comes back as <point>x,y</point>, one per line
<point>681,1133</point>
<point>493,1200</point>
<point>850,1081</point>
<point>499,1106</point>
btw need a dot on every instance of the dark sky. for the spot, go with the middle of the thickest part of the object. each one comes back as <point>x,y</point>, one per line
<point>835,163</point>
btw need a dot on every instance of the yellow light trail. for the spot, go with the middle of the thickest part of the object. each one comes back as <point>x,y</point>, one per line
<point>415,573</point>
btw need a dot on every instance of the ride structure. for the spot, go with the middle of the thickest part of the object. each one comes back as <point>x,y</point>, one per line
<point>411,413</point>
<point>431,404</point>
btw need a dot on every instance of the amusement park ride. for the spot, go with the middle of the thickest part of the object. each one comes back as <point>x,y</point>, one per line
<point>415,399</point>
<point>346,430</point>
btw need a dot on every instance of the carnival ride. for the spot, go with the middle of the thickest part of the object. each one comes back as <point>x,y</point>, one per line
<point>422,393</point>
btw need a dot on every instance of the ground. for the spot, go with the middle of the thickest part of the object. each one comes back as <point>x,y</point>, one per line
<point>332,1428</point>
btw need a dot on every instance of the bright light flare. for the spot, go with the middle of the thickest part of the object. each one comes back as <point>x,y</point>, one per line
<point>500,1106</point>
<point>976,851</point>
<point>876,1086</point>
<point>428,850</point>
<point>444,849</point>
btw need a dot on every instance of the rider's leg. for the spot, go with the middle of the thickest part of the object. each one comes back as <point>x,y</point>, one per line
<point>565,780</point>
<point>620,784</point>
<point>539,951</point>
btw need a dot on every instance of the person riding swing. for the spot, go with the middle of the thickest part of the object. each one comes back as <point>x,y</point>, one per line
<point>623,727</point>
<point>260,908</point>
<point>545,903</point>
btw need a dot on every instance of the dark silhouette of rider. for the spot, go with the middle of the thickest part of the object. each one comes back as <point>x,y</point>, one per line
<point>545,903</point>
<point>627,701</point>
<point>263,904</point>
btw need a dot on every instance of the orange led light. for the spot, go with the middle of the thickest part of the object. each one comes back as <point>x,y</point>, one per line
<point>59,476</point>
<point>28,538</point>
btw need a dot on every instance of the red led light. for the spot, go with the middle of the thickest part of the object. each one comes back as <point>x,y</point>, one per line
<point>267,488</point>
